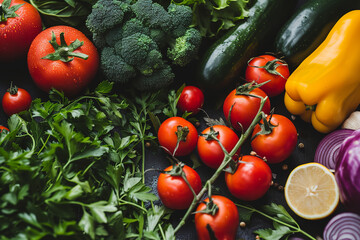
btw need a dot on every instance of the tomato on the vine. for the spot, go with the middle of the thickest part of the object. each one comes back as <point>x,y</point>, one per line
<point>20,23</point>
<point>223,224</point>
<point>210,151</point>
<point>251,180</point>
<point>267,67</point>
<point>63,58</point>
<point>173,191</point>
<point>191,100</point>
<point>16,100</point>
<point>177,136</point>
<point>275,139</point>
<point>242,104</point>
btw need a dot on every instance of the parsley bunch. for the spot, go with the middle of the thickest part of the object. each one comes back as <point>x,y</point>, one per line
<point>74,169</point>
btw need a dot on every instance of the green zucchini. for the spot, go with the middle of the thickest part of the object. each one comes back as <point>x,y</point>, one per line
<point>223,61</point>
<point>308,27</point>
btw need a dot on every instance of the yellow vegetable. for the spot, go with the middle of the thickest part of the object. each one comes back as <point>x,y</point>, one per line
<point>325,88</point>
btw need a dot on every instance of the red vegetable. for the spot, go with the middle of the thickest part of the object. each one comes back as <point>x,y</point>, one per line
<point>242,104</point>
<point>20,23</point>
<point>264,68</point>
<point>16,100</point>
<point>209,150</point>
<point>173,190</point>
<point>344,225</point>
<point>63,58</point>
<point>177,136</point>
<point>251,180</point>
<point>274,138</point>
<point>347,172</point>
<point>191,100</point>
<point>328,148</point>
<point>223,224</point>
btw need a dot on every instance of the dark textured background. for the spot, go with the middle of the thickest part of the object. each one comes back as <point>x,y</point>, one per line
<point>18,74</point>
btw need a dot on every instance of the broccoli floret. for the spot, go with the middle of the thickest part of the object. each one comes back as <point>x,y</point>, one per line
<point>135,48</point>
<point>185,48</point>
<point>159,79</point>
<point>133,26</point>
<point>141,40</point>
<point>115,68</point>
<point>180,19</point>
<point>151,14</point>
<point>105,15</point>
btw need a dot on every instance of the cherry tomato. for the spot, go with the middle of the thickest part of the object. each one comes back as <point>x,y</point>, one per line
<point>242,109</point>
<point>3,128</point>
<point>210,151</point>
<point>18,29</point>
<point>251,180</point>
<point>191,100</point>
<point>223,224</point>
<point>177,131</point>
<point>52,68</point>
<point>279,143</point>
<point>16,100</point>
<point>267,67</point>
<point>173,191</point>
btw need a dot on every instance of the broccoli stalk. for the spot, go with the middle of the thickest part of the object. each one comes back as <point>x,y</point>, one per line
<point>141,40</point>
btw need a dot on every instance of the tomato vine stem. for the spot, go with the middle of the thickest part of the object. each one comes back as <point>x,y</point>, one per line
<point>225,162</point>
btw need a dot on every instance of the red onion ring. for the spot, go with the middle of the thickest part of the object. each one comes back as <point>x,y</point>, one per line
<point>343,226</point>
<point>328,148</point>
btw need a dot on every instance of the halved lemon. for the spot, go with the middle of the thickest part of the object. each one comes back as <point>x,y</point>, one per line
<point>311,191</point>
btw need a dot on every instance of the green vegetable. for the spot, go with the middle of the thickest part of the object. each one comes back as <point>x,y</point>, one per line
<point>59,12</point>
<point>74,169</point>
<point>141,41</point>
<point>284,224</point>
<point>225,59</point>
<point>213,17</point>
<point>309,26</point>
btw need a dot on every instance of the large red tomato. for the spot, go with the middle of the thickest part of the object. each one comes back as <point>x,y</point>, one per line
<point>191,99</point>
<point>251,180</point>
<point>16,100</point>
<point>223,224</point>
<point>210,151</point>
<point>279,142</point>
<point>267,67</point>
<point>240,108</point>
<point>173,191</point>
<point>18,28</point>
<point>177,136</point>
<point>54,66</point>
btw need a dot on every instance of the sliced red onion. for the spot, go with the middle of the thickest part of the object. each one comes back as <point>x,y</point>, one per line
<point>343,226</point>
<point>328,148</point>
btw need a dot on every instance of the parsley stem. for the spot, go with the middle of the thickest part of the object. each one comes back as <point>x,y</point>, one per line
<point>225,162</point>
<point>296,228</point>
<point>132,204</point>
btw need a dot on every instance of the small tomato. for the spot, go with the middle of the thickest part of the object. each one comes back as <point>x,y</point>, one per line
<point>177,136</point>
<point>277,140</point>
<point>191,100</point>
<point>223,224</point>
<point>16,100</point>
<point>173,191</point>
<point>251,180</point>
<point>267,67</point>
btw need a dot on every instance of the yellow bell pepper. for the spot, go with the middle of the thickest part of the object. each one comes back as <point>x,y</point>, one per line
<point>325,88</point>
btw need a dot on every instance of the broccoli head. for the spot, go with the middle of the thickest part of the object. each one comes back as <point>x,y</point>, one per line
<point>141,40</point>
<point>185,48</point>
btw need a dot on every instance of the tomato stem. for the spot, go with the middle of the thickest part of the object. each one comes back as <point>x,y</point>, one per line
<point>8,12</point>
<point>64,52</point>
<point>227,159</point>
